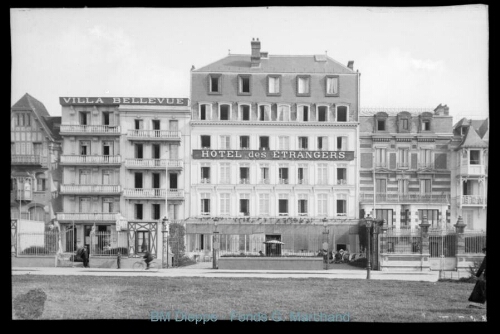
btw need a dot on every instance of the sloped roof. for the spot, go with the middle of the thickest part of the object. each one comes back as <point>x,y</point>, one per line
<point>28,102</point>
<point>277,64</point>
<point>54,125</point>
<point>472,139</point>
<point>483,129</point>
<point>480,126</point>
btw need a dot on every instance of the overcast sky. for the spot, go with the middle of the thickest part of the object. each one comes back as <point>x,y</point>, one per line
<point>408,57</point>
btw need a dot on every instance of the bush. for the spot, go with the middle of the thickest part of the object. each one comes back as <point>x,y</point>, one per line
<point>184,261</point>
<point>33,250</point>
<point>360,262</point>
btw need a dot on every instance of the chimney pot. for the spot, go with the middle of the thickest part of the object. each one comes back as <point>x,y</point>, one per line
<point>350,64</point>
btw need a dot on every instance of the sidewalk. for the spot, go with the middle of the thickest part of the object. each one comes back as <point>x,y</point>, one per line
<point>431,276</point>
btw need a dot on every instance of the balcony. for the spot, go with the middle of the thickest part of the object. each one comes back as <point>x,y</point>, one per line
<point>472,169</point>
<point>27,160</point>
<point>473,200</point>
<point>91,160</point>
<point>155,135</point>
<point>152,164</point>
<point>265,181</point>
<point>283,181</point>
<point>302,181</point>
<point>379,164</point>
<point>22,195</point>
<point>95,189</point>
<point>402,165</point>
<point>404,198</point>
<point>153,193</point>
<point>244,181</point>
<point>342,182</point>
<point>426,165</point>
<point>68,129</point>
<point>96,216</point>
<point>205,181</point>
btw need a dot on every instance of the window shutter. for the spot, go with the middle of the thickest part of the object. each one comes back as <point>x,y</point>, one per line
<point>440,161</point>
<point>414,158</point>
<point>392,160</point>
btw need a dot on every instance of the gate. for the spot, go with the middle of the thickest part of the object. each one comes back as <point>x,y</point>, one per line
<point>442,249</point>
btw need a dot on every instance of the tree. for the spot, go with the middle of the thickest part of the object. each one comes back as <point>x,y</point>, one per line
<point>176,241</point>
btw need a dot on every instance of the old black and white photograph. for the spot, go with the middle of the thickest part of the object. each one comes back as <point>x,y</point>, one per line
<point>249,165</point>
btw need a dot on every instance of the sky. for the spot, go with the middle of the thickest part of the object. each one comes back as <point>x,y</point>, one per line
<point>407,57</point>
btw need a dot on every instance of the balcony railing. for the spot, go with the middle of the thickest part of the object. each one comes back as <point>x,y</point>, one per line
<point>244,181</point>
<point>264,181</point>
<point>379,164</point>
<point>426,165</point>
<point>23,195</point>
<point>95,216</point>
<point>404,198</point>
<point>302,181</point>
<point>472,170</point>
<point>18,159</point>
<point>473,200</point>
<point>206,181</point>
<point>402,165</point>
<point>87,188</point>
<point>154,134</point>
<point>91,129</point>
<point>153,193</point>
<point>342,182</point>
<point>152,163</point>
<point>283,181</point>
<point>91,159</point>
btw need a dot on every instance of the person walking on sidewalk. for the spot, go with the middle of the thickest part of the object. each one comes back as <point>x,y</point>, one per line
<point>477,298</point>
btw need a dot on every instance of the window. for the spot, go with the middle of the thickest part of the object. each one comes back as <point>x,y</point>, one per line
<point>85,204</point>
<point>381,186</point>
<point>244,84</point>
<point>302,174</point>
<point>380,124</point>
<point>139,124</point>
<point>245,112</point>
<point>205,174</point>
<point>138,180</point>
<point>332,86</point>
<point>341,114</point>
<point>155,182</point>
<point>85,176</point>
<point>341,207</point>
<point>205,142</point>
<point>385,214</point>
<point>84,147</point>
<point>106,118</point>
<point>214,84</point>
<point>224,112</point>
<point>138,211</point>
<point>84,118</point>
<point>155,124</point>
<point>303,85</point>
<point>106,176</point>
<point>283,175</point>
<point>322,174</point>
<point>426,158</point>
<point>283,205</point>
<point>155,208</point>
<point>403,186</point>
<point>264,113</point>
<point>245,142</point>
<point>405,124</point>
<point>403,154</point>
<point>380,155</point>
<point>432,216</point>
<point>341,143</point>
<point>139,151</point>
<point>283,113</point>
<point>264,175</point>
<point>425,187</point>
<point>107,205</point>
<point>40,183</point>
<point>264,204</point>
<point>302,204</point>
<point>204,111</point>
<point>341,175</point>
<point>245,204</point>
<point>322,143</point>
<point>225,204</point>
<point>322,204</point>
<point>205,203</point>
<point>263,143</point>
<point>322,114</point>
<point>155,152</point>
<point>172,178</point>
<point>303,143</point>
<point>244,175</point>
<point>142,241</point>
<point>225,173</point>
<point>283,143</point>
<point>303,113</point>
<point>273,85</point>
<point>474,157</point>
<point>426,125</point>
<point>225,142</point>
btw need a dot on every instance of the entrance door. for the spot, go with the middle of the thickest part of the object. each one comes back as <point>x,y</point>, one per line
<point>156,184</point>
<point>142,241</point>
<point>273,249</point>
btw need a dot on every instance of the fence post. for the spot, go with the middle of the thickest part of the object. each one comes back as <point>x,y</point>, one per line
<point>461,265</point>
<point>424,235</point>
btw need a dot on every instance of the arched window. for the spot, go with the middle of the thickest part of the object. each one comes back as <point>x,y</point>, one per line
<point>341,113</point>
<point>205,111</point>
<point>37,213</point>
<point>283,113</point>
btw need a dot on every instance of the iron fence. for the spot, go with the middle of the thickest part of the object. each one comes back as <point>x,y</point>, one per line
<point>475,242</point>
<point>37,243</point>
<point>108,243</point>
<point>442,243</point>
<point>406,241</point>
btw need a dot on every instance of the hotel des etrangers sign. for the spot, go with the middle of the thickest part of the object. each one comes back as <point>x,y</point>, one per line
<point>273,155</point>
<point>161,101</point>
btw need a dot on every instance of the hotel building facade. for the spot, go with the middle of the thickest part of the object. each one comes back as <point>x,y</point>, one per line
<point>124,159</point>
<point>274,158</point>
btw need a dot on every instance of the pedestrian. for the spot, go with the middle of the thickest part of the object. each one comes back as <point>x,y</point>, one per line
<point>118,259</point>
<point>147,258</point>
<point>85,257</point>
<point>477,298</point>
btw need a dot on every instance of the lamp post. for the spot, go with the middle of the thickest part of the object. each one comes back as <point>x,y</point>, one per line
<point>215,245</point>
<point>368,221</point>
<point>165,230</point>
<point>325,242</point>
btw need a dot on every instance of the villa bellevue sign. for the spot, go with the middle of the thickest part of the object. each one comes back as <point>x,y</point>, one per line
<point>273,155</point>
<point>163,101</point>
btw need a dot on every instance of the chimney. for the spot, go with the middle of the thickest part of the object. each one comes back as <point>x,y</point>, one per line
<point>255,58</point>
<point>442,110</point>
<point>350,64</point>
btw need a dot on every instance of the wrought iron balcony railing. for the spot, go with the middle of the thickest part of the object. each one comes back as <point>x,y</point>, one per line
<point>90,129</point>
<point>95,216</point>
<point>90,188</point>
<point>21,159</point>
<point>404,198</point>
<point>154,134</point>
<point>152,163</point>
<point>473,200</point>
<point>91,159</point>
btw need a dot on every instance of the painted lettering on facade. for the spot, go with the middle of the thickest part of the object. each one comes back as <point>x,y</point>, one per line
<point>273,155</point>
<point>66,101</point>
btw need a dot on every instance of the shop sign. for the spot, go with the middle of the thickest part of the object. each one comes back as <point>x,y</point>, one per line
<point>273,155</point>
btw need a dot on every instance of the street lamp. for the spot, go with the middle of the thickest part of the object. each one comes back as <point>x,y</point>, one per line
<point>215,245</point>
<point>369,222</point>
<point>325,243</point>
<point>165,230</point>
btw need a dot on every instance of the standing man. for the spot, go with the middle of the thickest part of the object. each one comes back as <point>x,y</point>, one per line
<point>85,257</point>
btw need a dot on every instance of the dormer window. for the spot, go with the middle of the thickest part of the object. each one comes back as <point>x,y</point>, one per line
<point>381,121</point>
<point>425,121</point>
<point>332,86</point>
<point>214,83</point>
<point>404,119</point>
<point>426,125</point>
<point>303,85</point>
<point>274,85</point>
<point>244,84</point>
<point>380,124</point>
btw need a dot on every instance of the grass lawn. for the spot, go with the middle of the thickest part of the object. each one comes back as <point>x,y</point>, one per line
<point>86,297</point>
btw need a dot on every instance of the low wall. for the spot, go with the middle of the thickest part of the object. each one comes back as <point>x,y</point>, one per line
<point>404,262</point>
<point>271,263</point>
<point>95,262</point>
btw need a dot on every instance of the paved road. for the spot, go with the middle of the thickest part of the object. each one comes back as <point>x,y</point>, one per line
<point>431,276</point>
